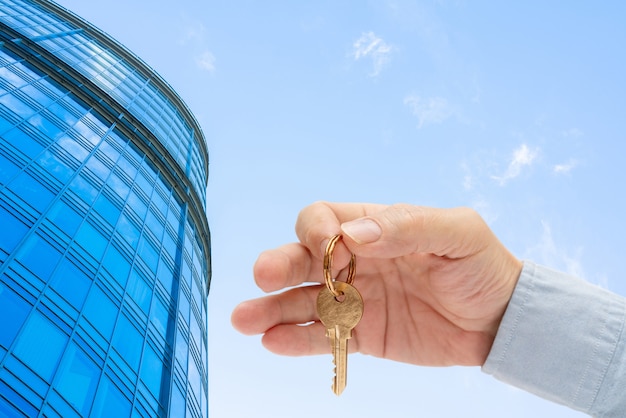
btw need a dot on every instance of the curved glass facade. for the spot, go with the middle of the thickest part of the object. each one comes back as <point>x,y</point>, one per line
<point>104,244</point>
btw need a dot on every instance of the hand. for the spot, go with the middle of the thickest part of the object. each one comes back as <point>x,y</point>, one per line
<point>435,284</point>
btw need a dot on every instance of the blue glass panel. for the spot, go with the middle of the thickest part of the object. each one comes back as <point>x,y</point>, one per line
<point>13,230</point>
<point>137,204</point>
<point>107,209</point>
<point>152,368</point>
<point>127,229</point>
<point>31,191</point>
<point>110,401</point>
<point>128,342</point>
<point>98,168</point>
<point>39,256</point>
<point>194,329</point>
<point>45,125</point>
<point>7,170</point>
<point>118,185</point>
<point>139,291</point>
<point>110,151</point>
<point>165,276</point>
<point>73,148</point>
<point>39,332</point>
<point>100,311</point>
<point>169,245</point>
<point>195,381</point>
<point>55,166</point>
<point>160,317</point>
<point>7,410</point>
<point>84,189</point>
<point>154,224</point>
<point>71,283</point>
<point>78,378</point>
<point>125,164</point>
<point>23,142</point>
<point>183,306</point>
<point>65,217</point>
<point>182,350</point>
<point>117,265</point>
<point>91,240</point>
<point>177,403</point>
<point>148,253</point>
<point>14,307</point>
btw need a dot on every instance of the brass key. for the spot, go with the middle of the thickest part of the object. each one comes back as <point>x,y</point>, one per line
<point>340,314</point>
<point>339,307</point>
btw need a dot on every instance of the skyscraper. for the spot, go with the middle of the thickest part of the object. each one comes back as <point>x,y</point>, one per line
<point>104,242</point>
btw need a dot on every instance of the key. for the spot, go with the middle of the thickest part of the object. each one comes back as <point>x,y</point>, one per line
<point>340,315</point>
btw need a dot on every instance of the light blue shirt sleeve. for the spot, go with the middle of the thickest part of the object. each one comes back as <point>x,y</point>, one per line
<point>563,339</point>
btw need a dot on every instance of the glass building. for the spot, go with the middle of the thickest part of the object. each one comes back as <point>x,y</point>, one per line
<point>104,242</point>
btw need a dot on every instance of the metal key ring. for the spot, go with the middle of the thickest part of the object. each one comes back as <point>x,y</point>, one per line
<point>328,274</point>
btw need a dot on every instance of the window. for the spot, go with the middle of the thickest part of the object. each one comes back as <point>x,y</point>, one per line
<point>91,240</point>
<point>65,217</point>
<point>38,333</point>
<point>182,350</point>
<point>127,229</point>
<point>39,256</point>
<point>13,230</point>
<point>14,307</point>
<point>161,319</point>
<point>78,377</point>
<point>71,283</point>
<point>152,369</point>
<point>107,209</point>
<point>139,291</point>
<point>128,342</point>
<point>110,401</point>
<point>165,275</point>
<point>31,191</point>
<point>55,166</point>
<point>177,403</point>
<point>7,169</point>
<point>148,253</point>
<point>100,311</point>
<point>84,189</point>
<point>117,265</point>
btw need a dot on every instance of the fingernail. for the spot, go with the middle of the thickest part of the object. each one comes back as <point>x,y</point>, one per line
<point>362,231</point>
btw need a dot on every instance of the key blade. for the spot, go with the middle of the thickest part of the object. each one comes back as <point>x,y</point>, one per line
<point>331,333</point>
<point>340,358</point>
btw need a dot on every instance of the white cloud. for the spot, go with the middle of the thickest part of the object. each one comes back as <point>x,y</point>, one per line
<point>193,38</point>
<point>372,47</point>
<point>206,61</point>
<point>565,167</point>
<point>433,110</point>
<point>546,252</point>
<point>522,157</point>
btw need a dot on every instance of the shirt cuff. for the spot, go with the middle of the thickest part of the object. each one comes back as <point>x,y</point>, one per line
<point>561,338</point>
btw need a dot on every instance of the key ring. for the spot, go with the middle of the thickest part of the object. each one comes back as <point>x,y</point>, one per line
<point>328,274</point>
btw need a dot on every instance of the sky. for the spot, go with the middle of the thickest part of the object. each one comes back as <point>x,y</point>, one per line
<point>516,110</point>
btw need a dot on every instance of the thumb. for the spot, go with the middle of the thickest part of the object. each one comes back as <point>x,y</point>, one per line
<point>405,229</point>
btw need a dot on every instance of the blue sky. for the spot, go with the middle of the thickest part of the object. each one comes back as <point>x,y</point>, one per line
<point>516,110</point>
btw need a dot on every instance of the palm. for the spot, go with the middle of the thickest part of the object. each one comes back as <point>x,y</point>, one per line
<point>414,314</point>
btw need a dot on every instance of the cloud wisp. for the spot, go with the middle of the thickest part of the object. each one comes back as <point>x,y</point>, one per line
<point>429,111</point>
<point>565,168</point>
<point>206,61</point>
<point>194,36</point>
<point>522,158</point>
<point>370,46</point>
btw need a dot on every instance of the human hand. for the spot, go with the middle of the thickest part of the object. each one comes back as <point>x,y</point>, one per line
<point>435,284</point>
